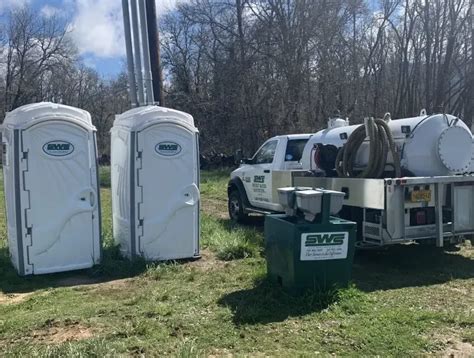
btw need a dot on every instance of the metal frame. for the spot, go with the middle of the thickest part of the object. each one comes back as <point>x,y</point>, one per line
<point>197,252</point>
<point>392,227</point>
<point>99,205</point>
<point>18,209</point>
<point>133,221</point>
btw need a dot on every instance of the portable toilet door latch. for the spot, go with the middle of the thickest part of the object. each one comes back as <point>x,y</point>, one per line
<point>88,197</point>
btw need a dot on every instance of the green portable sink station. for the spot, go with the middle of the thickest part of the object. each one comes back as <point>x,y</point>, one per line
<point>315,255</point>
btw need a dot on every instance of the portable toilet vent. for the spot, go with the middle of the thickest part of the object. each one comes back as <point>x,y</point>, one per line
<point>51,188</point>
<point>155,179</point>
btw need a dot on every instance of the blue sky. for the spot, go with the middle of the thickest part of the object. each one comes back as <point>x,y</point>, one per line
<point>96,27</point>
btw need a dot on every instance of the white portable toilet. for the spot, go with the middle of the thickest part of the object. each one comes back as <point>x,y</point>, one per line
<point>155,183</point>
<point>51,188</point>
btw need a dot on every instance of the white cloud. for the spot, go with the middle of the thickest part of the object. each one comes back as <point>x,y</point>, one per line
<point>49,11</point>
<point>6,5</point>
<point>163,6</point>
<point>89,62</point>
<point>97,27</point>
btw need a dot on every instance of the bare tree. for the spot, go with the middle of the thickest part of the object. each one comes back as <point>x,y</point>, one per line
<point>38,62</point>
<point>37,46</point>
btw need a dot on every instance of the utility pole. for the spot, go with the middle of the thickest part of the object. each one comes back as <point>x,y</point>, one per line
<point>128,46</point>
<point>154,45</point>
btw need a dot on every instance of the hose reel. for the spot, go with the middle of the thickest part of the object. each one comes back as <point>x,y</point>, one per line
<point>380,143</point>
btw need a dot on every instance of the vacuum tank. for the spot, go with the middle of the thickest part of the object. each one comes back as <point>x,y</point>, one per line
<point>428,145</point>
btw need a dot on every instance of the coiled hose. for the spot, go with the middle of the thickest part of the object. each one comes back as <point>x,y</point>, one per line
<point>380,142</point>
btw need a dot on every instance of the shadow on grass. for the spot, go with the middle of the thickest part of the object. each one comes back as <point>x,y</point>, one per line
<point>409,266</point>
<point>390,268</point>
<point>255,221</point>
<point>113,267</point>
<point>267,302</point>
<point>402,265</point>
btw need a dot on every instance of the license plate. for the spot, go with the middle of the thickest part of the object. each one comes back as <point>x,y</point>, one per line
<point>420,195</point>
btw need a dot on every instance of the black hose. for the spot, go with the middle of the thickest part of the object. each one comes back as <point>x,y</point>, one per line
<point>380,142</point>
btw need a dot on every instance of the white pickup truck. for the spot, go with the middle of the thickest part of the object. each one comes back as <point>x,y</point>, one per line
<point>252,187</point>
<point>430,199</point>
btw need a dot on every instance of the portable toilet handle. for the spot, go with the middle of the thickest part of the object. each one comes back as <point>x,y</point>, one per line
<point>89,192</point>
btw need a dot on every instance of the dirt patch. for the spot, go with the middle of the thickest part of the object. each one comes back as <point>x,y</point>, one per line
<point>215,207</point>
<point>89,282</point>
<point>12,298</point>
<point>115,284</point>
<point>458,349</point>
<point>207,262</point>
<point>461,290</point>
<point>73,281</point>
<point>454,346</point>
<point>54,332</point>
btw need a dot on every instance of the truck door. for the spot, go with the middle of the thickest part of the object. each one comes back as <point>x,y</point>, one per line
<point>258,178</point>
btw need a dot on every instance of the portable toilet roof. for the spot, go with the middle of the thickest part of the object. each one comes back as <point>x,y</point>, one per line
<point>22,117</point>
<point>141,117</point>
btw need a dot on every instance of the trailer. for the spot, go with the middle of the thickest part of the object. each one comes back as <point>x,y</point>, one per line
<point>404,180</point>
<point>396,210</point>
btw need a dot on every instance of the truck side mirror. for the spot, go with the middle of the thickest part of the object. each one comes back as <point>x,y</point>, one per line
<point>238,156</point>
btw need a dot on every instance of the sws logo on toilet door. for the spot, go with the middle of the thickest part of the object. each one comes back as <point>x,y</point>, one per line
<point>58,148</point>
<point>168,148</point>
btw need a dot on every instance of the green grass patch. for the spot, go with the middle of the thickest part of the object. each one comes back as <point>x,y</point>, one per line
<point>404,301</point>
<point>228,241</point>
<point>235,249</point>
<point>104,176</point>
<point>214,184</point>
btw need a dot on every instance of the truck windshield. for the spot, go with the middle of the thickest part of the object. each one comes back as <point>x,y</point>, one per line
<point>294,149</point>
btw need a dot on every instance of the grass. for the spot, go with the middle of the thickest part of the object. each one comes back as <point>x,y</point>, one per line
<point>407,300</point>
<point>104,176</point>
<point>228,241</point>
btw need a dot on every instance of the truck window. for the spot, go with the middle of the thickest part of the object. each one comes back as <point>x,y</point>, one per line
<point>266,153</point>
<point>294,150</point>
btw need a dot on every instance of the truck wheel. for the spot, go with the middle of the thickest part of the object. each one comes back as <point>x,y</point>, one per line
<point>236,208</point>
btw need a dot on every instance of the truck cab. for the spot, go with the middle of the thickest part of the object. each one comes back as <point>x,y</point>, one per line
<point>251,187</point>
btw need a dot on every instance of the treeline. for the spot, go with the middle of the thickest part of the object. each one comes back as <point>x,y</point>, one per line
<point>39,62</point>
<point>250,69</point>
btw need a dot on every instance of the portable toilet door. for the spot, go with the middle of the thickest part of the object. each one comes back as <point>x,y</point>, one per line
<point>155,167</point>
<point>51,189</point>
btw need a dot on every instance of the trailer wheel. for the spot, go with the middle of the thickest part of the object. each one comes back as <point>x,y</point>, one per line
<point>236,208</point>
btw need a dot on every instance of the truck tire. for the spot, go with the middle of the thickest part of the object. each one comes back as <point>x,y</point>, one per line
<point>236,207</point>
